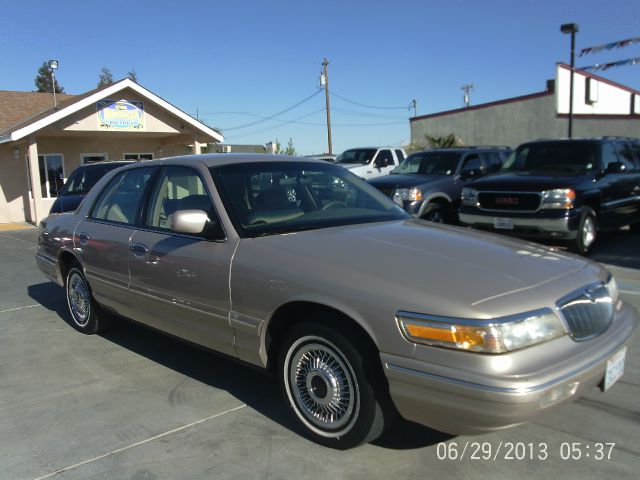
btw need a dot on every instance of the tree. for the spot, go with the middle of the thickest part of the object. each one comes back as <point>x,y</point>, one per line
<point>290,150</point>
<point>132,75</point>
<point>106,78</point>
<point>43,80</point>
<point>442,141</point>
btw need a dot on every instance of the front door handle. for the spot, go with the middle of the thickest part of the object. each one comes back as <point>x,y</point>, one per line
<point>138,249</point>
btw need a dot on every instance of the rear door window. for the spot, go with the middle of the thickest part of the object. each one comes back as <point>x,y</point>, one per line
<point>121,200</point>
<point>400,155</point>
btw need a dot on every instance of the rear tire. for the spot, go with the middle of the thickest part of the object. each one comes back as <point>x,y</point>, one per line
<point>82,307</point>
<point>331,387</point>
<point>586,234</point>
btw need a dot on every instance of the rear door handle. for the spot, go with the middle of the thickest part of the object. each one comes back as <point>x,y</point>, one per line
<point>139,249</point>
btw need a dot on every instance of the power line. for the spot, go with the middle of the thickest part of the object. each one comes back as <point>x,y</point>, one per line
<point>271,117</point>
<point>369,115</point>
<point>284,122</point>
<point>406,107</point>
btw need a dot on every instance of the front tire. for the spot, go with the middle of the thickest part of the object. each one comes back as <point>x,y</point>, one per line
<point>332,392</point>
<point>586,234</point>
<point>436,213</point>
<point>82,306</point>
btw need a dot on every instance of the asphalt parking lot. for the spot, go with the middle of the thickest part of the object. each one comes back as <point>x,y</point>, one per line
<point>133,404</point>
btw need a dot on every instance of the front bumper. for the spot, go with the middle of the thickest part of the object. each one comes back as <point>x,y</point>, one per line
<point>552,224</point>
<point>461,403</point>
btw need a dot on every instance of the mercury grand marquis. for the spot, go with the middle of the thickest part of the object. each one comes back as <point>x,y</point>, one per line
<point>362,313</point>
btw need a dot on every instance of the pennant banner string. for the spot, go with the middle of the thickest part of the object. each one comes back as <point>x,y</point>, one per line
<point>607,66</point>
<point>609,46</point>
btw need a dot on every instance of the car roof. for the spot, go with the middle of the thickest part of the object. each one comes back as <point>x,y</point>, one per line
<point>219,159</point>
<point>115,163</point>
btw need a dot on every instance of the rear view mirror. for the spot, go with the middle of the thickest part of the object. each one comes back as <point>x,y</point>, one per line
<point>471,173</point>
<point>189,221</point>
<point>616,167</point>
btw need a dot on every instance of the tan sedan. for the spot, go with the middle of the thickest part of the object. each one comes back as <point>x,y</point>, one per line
<point>299,267</point>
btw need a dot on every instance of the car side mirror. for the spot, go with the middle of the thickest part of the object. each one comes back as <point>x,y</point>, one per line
<point>471,173</point>
<point>189,221</point>
<point>616,167</point>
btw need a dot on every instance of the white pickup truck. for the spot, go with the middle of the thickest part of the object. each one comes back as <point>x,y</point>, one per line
<point>371,162</point>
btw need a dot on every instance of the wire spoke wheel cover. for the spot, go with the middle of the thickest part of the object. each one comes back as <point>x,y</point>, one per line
<point>79,299</point>
<point>321,386</point>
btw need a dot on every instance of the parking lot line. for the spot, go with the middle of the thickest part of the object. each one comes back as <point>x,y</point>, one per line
<point>141,442</point>
<point>20,308</point>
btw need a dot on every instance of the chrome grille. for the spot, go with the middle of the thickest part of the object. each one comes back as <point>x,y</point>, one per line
<point>588,312</point>
<point>510,201</point>
<point>388,191</point>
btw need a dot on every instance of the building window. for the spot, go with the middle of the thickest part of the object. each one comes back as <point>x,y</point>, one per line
<point>94,157</point>
<point>51,175</point>
<point>138,157</point>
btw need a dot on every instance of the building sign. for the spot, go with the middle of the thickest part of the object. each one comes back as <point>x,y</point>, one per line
<point>120,115</point>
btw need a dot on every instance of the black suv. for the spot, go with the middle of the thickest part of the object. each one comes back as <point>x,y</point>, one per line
<point>428,184</point>
<point>560,189</point>
<point>80,182</point>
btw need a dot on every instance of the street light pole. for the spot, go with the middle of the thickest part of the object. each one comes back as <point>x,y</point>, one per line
<point>325,77</point>
<point>571,28</point>
<point>53,66</point>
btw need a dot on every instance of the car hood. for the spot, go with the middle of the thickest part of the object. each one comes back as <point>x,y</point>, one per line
<point>523,181</point>
<point>442,270</point>
<point>406,181</point>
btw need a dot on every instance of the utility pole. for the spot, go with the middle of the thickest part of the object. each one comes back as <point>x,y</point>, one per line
<point>324,80</point>
<point>414,104</point>
<point>467,87</point>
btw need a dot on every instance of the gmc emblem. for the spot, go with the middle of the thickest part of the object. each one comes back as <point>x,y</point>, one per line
<point>507,201</point>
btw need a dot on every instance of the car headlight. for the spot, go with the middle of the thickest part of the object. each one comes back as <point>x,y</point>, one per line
<point>560,198</point>
<point>487,336</point>
<point>411,194</point>
<point>469,197</point>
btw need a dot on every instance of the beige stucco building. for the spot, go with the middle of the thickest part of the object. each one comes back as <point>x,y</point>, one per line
<point>41,145</point>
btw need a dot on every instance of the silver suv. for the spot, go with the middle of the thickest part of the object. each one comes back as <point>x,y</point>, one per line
<point>269,260</point>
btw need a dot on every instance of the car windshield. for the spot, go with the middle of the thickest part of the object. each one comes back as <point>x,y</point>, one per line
<point>554,158</point>
<point>357,155</point>
<point>267,198</point>
<point>83,178</point>
<point>429,163</point>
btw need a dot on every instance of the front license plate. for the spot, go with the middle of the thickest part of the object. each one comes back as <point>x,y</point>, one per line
<point>615,369</point>
<point>503,223</point>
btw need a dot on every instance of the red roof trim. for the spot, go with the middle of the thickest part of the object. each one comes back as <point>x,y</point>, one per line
<point>522,98</point>
<point>600,79</point>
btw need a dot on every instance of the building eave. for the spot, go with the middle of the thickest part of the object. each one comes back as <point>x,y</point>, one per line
<point>105,93</point>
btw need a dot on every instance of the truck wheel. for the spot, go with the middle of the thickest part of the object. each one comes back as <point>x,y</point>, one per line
<point>82,307</point>
<point>329,387</point>
<point>436,213</point>
<point>586,234</point>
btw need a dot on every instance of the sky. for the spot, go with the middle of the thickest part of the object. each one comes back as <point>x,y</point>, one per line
<point>233,63</point>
